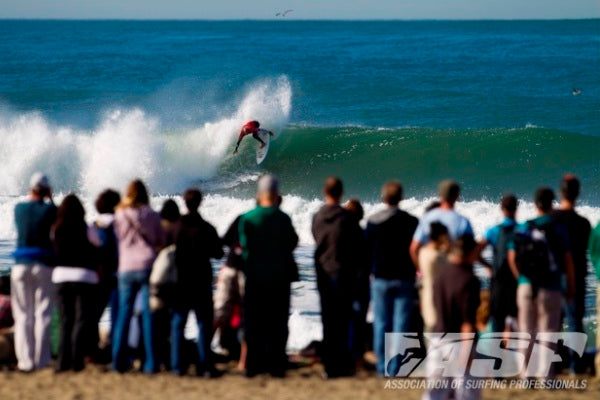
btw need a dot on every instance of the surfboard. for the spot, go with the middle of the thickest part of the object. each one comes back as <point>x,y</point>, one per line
<point>261,154</point>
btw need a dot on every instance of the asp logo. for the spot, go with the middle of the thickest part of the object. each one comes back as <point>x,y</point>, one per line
<point>495,354</point>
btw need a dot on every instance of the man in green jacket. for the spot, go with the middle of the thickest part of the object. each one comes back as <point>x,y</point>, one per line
<point>594,249</point>
<point>268,240</point>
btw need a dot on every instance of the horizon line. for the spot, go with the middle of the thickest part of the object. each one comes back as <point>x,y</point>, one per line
<point>293,19</point>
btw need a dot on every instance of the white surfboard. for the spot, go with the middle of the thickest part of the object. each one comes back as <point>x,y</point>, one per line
<point>261,154</point>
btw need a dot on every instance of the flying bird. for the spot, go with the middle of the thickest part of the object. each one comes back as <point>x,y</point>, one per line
<point>283,14</point>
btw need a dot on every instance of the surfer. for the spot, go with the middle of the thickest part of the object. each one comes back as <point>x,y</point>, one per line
<point>251,128</point>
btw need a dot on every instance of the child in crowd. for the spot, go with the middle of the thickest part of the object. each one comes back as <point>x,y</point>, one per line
<point>432,259</point>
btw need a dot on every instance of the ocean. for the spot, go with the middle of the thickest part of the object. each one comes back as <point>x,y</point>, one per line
<point>490,103</point>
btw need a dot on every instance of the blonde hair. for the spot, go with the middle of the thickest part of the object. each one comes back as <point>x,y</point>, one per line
<point>136,195</point>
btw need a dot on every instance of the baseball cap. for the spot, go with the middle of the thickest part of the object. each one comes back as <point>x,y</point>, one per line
<point>39,181</point>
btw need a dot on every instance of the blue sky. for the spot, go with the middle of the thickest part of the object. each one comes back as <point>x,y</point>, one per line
<point>303,9</point>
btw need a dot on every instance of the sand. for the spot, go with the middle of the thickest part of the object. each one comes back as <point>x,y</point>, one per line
<point>96,383</point>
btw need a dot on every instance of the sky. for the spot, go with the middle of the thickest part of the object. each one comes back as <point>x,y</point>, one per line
<point>303,9</point>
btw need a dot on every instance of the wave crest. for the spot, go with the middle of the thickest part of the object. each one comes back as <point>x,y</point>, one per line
<point>130,143</point>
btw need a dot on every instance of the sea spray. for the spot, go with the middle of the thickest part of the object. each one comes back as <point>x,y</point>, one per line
<point>131,143</point>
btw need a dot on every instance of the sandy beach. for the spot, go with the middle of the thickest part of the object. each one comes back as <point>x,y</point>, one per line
<point>304,383</point>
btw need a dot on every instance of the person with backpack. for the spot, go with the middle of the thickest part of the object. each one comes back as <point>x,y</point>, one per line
<point>107,253</point>
<point>539,256</point>
<point>503,313</point>
<point>594,249</point>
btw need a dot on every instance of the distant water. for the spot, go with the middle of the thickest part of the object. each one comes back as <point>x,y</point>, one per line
<point>96,103</point>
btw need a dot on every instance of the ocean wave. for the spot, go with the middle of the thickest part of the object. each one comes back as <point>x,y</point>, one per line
<point>131,143</point>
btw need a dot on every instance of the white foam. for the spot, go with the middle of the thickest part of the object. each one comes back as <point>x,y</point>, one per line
<point>130,143</point>
<point>304,323</point>
<point>221,210</point>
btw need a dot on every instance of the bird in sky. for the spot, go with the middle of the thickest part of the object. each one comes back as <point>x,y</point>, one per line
<point>283,13</point>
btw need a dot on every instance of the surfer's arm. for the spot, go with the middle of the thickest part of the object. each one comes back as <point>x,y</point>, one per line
<point>271,133</point>
<point>239,141</point>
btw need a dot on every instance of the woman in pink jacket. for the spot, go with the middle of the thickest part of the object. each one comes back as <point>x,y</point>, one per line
<point>140,236</point>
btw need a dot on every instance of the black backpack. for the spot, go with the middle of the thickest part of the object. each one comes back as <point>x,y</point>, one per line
<point>534,257</point>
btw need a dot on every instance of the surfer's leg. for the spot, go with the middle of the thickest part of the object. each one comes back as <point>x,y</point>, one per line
<point>262,143</point>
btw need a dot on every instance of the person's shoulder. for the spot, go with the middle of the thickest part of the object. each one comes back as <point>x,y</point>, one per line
<point>146,214</point>
<point>379,217</point>
<point>282,214</point>
<point>461,217</point>
<point>49,207</point>
<point>22,206</point>
<point>492,232</point>
<point>583,222</point>
<point>210,228</point>
<point>250,215</point>
<point>409,217</point>
<point>432,214</point>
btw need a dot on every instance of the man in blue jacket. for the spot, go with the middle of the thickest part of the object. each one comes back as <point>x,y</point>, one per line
<point>31,284</point>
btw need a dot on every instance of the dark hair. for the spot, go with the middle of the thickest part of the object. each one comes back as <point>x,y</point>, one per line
<point>569,187</point>
<point>136,195</point>
<point>391,193</point>
<point>436,230</point>
<point>70,220</point>
<point>192,198</point>
<point>432,206</point>
<point>107,201</point>
<point>70,211</point>
<point>509,203</point>
<point>464,245</point>
<point>256,124</point>
<point>354,206</point>
<point>333,187</point>
<point>543,198</point>
<point>170,211</point>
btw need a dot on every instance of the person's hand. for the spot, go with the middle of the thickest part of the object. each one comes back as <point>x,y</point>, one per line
<point>235,152</point>
<point>49,196</point>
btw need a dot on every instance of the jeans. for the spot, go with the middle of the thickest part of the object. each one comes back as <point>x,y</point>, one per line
<point>393,302</point>
<point>129,284</point>
<point>204,319</point>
